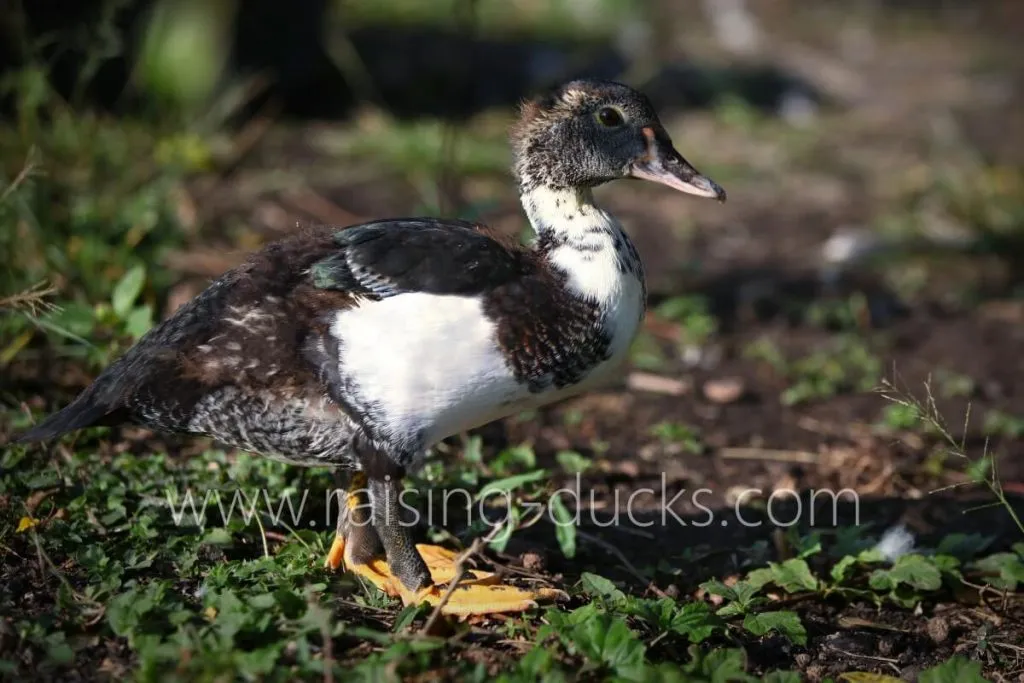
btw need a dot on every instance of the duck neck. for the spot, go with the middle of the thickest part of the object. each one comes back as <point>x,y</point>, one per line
<point>582,240</point>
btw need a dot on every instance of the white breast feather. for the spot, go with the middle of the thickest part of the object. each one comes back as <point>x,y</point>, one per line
<point>430,362</point>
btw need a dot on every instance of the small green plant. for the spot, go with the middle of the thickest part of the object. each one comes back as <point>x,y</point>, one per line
<point>847,365</point>
<point>900,416</point>
<point>1000,424</point>
<point>646,353</point>
<point>572,462</point>
<point>954,385</point>
<point>696,323</point>
<point>767,351</point>
<point>742,600</point>
<point>88,204</point>
<point>1004,571</point>
<point>837,314</point>
<point>676,433</point>
<point>983,470</point>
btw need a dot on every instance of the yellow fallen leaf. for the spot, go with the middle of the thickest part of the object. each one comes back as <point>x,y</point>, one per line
<point>210,613</point>
<point>26,523</point>
<point>865,677</point>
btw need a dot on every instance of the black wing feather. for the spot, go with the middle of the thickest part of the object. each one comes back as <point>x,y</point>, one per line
<point>391,257</point>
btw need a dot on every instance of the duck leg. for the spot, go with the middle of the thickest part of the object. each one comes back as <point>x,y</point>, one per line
<point>416,573</point>
<point>355,540</point>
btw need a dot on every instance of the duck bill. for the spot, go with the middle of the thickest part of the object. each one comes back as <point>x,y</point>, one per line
<point>663,164</point>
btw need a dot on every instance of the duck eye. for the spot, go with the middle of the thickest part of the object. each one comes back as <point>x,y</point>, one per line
<point>609,117</point>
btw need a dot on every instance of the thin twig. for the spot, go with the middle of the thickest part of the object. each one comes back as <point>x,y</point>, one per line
<point>23,175</point>
<point>461,570</point>
<point>46,562</point>
<point>31,301</point>
<point>929,412</point>
<point>884,660</point>
<point>802,457</point>
<point>625,562</point>
<point>657,384</point>
<point>263,537</point>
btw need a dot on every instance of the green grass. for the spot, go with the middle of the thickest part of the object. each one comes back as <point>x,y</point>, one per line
<point>89,207</point>
<point>98,538</point>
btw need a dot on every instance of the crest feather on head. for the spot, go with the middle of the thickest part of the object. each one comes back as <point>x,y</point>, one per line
<point>562,101</point>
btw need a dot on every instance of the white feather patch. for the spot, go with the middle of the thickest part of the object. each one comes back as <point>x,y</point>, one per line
<point>429,362</point>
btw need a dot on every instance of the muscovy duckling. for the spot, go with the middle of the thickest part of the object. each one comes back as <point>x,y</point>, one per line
<point>362,347</point>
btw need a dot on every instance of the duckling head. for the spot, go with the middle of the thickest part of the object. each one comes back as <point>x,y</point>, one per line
<point>589,132</point>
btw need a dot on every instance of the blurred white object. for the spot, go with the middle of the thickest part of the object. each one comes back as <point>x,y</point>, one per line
<point>797,109</point>
<point>849,246</point>
<point>733,24</point>
<point>896,542</point>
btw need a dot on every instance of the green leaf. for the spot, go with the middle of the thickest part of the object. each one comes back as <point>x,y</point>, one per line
<point>1006,570</point>
<point>606,640</point>
<point>745,592</point>
<point>881,580</point>
<point>841,568</point>
<point>695,621</point>
<point>947,564</point>
<point>139,321</point>
<point>870,556</point>
<point>782,677</point>
<point>125,612</point>
<point>514,458</point>
<point>963,546</point>
<point>260,662</point>
<point>217,536</point>
<point>500,542</point>
<point>75,321</point>
<point>127,290</point>
<point>657,613</point>
<point>792,576</point>
<point>731,609</point>
<point>663,672</point>
<point>57,649</point>
<point>598,586</point>
<point>979,470</point>
<point>905,596</point>
<point>916,571</point>
<point>474,450</point>
<point>805,546</point>
<point>509,484</point>
<point>408,615</point>
<point>719,665</point>
<point>785,623</point>
<point>537,664</point>
<point>759,578</point>
<point>572,462</point>
<point>565,527</point>
<point>716,587</point>
<point>956,670</point>
<point>564,621</point>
